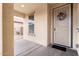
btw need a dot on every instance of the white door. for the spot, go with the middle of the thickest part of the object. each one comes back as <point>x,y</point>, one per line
<point>62,25</point>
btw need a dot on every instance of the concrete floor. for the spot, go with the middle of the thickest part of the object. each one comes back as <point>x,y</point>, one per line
<point>43,51</point>
<point>28,48</point>
<point>22,45</point>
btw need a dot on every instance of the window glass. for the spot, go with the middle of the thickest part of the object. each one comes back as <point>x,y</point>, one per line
<point>31,24</point>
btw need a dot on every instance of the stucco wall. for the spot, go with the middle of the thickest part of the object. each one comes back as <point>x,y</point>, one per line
<point>49,24</point>
<point>40,16</point>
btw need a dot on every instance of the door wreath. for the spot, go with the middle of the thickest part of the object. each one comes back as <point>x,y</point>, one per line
<point>61,15</point>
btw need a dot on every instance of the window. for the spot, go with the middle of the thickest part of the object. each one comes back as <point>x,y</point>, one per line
<point>31,24</point>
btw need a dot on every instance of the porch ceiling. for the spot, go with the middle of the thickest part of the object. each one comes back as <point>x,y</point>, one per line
<point>28,8</point>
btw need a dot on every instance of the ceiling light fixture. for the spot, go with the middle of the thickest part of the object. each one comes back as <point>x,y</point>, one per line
<point>22,5</point>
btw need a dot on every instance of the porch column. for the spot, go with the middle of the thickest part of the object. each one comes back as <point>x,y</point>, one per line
<point>8,37</point>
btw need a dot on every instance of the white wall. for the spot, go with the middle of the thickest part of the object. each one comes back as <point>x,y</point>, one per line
<point>0,29</point>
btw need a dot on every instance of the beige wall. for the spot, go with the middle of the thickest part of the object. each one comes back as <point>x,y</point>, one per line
<point>48,24</point>
<point>0,29</point>
<point>41,19</point>
<point>8,38</point>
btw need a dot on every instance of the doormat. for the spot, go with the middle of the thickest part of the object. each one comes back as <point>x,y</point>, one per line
<point>59,47</point>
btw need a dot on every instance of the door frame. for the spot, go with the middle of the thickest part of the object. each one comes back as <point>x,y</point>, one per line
<point>52,23</point>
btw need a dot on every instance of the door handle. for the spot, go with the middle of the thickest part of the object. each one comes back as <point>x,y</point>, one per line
<point>54,29</point>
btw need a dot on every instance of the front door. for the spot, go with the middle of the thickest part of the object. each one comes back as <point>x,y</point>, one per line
<point>62,25</point>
